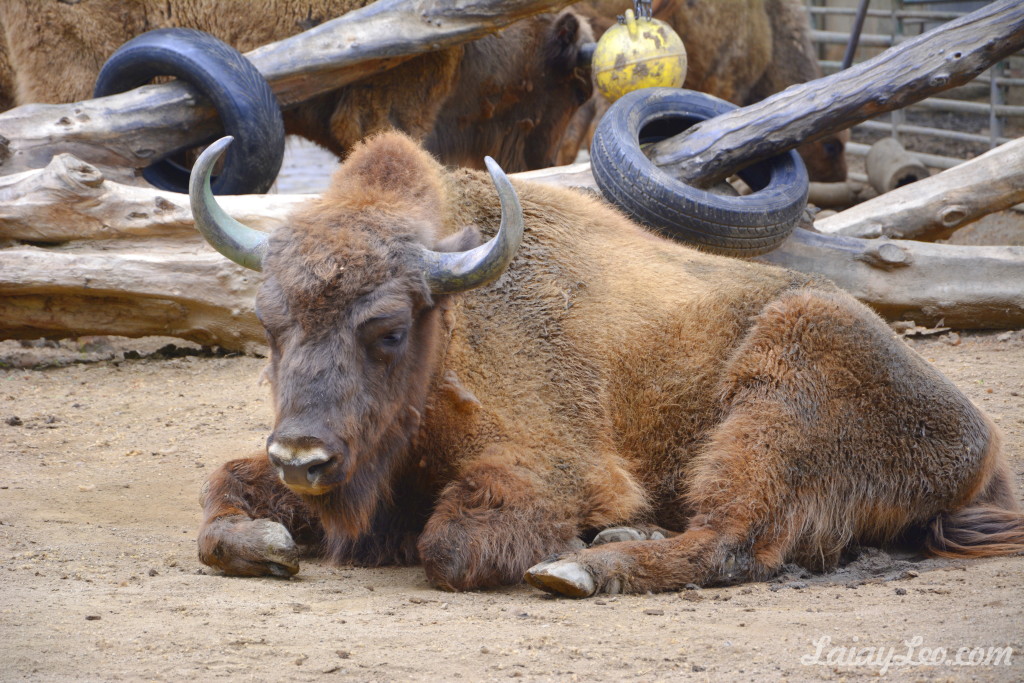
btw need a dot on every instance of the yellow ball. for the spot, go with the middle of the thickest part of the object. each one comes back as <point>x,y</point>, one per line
<point>639,53</point>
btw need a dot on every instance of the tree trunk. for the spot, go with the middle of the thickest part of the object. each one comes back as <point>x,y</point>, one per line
<point>178,288</point>
<point>153,275</point>
<point>942,58</point>
<point>130,129</point>
<point>71,200</point>
<point>934,207</point>
<point>931,284</point>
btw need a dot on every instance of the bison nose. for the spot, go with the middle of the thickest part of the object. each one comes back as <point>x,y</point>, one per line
<point>300,462</point>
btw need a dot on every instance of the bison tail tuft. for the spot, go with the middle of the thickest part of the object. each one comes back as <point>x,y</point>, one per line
<point>976,531</point>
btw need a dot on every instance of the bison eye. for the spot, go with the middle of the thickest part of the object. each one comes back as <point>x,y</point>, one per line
<point>392,338</point>
<point>385,336</point>
<point>387,346</point>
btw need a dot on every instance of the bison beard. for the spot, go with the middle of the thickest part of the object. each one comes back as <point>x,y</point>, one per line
<point>359,518</point>
<point>608,378</point>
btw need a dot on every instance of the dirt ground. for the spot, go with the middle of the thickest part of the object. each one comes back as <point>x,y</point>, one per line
<point>104,448</point>
<point>104,451</point>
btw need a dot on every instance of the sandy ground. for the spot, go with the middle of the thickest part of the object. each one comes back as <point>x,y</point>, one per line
<point>104,452</point>
<point>104,449</point>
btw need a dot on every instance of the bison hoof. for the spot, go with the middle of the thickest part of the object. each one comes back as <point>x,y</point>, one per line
<point>562,577</point>
<point>240,546</point>
<point>624,533</point>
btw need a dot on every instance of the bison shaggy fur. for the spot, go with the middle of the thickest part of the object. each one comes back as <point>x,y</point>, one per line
<point>742,416</point>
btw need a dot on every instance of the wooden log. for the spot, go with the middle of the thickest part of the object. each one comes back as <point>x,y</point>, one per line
<point>182,288</point>
<point>931,284</point>
<point>72,200</point>
<point>578,176</point>
<point>933,208</point>
<point>171,283</point>
<point>832,195</point>
<point>379,36</point>
<point>131,129</point>
<point>942,58</point>
<point>179,288</point>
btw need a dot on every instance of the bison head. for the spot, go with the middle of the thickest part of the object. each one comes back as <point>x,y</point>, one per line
<point>516,93</point>
<point>350,303</point>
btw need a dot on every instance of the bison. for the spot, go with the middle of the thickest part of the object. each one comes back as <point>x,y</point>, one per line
<point>738,50</point>
<point>509,95</point>
<point>480,406</point>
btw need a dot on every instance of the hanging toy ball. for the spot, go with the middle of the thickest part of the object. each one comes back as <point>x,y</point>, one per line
<point>639,52</point>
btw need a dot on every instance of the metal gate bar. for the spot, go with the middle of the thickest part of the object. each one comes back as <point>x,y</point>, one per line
<point>997,114</point>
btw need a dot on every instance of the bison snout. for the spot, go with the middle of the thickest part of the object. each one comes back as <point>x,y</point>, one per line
<point>301,463</point>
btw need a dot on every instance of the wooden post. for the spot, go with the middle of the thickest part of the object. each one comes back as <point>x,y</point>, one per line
<point>942,58</point>
<point>889,166</point>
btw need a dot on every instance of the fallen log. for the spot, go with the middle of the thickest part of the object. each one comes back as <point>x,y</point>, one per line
<point>178,288</point>
<point>933,208</point>
<point>574,175</point>
<point>171,283</point>
<point>947,56</point>
<point>931,284</point>
<point>836,196</point>
<point>131,129</point>
<point>72,200</point>
<point>184,289</point>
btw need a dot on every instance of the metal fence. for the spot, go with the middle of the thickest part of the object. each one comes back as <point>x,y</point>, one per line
<point>941,131</point>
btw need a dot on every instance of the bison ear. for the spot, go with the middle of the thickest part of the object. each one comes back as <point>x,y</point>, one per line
<point>464,240</point>
<point>564,43</point>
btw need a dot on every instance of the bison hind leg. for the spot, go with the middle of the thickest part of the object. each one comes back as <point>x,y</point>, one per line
<point>618,534</point>
<point>832,433</point>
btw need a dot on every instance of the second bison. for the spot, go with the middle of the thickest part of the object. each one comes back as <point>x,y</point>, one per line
<point>509,95</point>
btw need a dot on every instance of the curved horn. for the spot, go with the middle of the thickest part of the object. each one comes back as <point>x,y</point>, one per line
<point>238,242</point>
<point>448,273</point>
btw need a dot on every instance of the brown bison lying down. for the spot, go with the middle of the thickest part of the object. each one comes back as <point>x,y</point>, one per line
<point>480,409</point>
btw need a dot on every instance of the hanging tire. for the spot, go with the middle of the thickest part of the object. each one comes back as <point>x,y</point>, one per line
<point>733,225</point>
<point>247,107</point>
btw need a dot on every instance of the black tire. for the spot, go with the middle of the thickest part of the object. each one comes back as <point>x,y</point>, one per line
<point>732,225</point>
<point>247,107</point>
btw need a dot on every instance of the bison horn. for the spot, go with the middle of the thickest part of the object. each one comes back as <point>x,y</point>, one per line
<point>451,272</point>
<point>238,242</point>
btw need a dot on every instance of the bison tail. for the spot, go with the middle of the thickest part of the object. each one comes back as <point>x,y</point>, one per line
<point>976,531</point>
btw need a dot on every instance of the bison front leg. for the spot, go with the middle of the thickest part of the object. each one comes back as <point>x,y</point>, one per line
<point>492,523</point>
<point>252,522</point>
